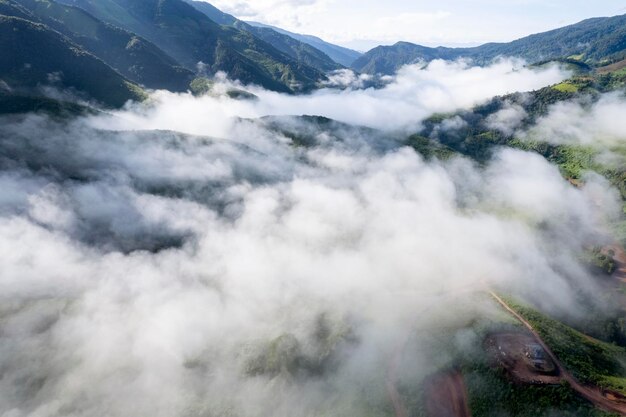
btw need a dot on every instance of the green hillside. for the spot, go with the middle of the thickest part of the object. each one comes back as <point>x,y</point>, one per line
<point>297,50</point>
<point>477,139</point>
<point>190,37</point>
<point>389,59</point>
<point>132,56</point>
<point>300,51</point>
<point>34,55</point>
<point>339,54</point>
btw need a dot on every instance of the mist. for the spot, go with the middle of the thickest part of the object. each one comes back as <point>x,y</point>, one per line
<point>585,122</point>
<point>415,93</point>
<point>192,257</point>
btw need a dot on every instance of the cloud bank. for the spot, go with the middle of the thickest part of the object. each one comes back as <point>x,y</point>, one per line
<point>414,94</point>
<point>585,122</point>
<point>253,267</point>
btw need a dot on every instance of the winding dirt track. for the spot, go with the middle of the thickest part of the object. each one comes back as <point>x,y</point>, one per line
<point>592,394</point>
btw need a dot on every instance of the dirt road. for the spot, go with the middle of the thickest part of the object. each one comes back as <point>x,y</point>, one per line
<point>592,394</point>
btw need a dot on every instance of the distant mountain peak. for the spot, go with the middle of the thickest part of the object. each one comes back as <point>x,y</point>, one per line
<point>593,40</point>
<point>339,54</point>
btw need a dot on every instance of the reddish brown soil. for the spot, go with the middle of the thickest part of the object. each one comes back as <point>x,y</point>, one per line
<point>605,400</point>
<point>508,351</point>
<point>446,396</point>
<point>613,67</point>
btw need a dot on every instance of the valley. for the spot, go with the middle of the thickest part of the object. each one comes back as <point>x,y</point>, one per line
<point>203,215</point>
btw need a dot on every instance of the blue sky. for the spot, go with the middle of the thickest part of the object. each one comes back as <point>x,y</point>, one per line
<point>366,23</point>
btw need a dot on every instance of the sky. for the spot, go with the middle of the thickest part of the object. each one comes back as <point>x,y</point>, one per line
<point>363,24</point>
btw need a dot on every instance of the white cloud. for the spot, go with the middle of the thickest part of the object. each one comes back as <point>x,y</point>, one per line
<point>264,273</point>
<point>345,78</point>
<point>584,123</point>
<point>368,23</point>
<point>508,119</point>
<point>408,98</point>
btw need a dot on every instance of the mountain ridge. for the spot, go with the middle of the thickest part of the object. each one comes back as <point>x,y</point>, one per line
<point>594,40</point>
<point>340,54</point>
<point>131,55</point>
<point>190,37</point>
<point>24,68</point>
<point>296,49</point>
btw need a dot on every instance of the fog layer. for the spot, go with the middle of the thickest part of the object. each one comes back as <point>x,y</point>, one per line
<point>251,272</point>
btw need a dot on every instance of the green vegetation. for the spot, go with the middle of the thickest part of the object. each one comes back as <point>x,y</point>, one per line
<point>476,139</point>
<point>286,355</point>
<point>339,54</point>
<point>201,86</point>
<point>572,160</point>
<point>132,56</point>
<point>190,37</point>
<point>429,148</point>
<point>492,393</point>
<point>575,160</point>
<point>300,51</point>
<point>125,34</point>
<point>17,104</point>
<point>34,55</point>
<point>589,360</point>
<point>566,87</point>
<point>599,261</point>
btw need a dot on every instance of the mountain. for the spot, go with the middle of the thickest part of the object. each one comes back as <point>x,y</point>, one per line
<point>132,56</point>
<point>34,56</point>
<point>191,37</point>
<point>300,51</point>
<point>592,41</point>
<point>339,54</point>
<point>388,59</point>
<point>214,13</point>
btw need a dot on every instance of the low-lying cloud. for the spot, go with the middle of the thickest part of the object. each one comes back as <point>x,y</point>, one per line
<point>414,94</point>
<point>254,271</point>
<point>585,122</point>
